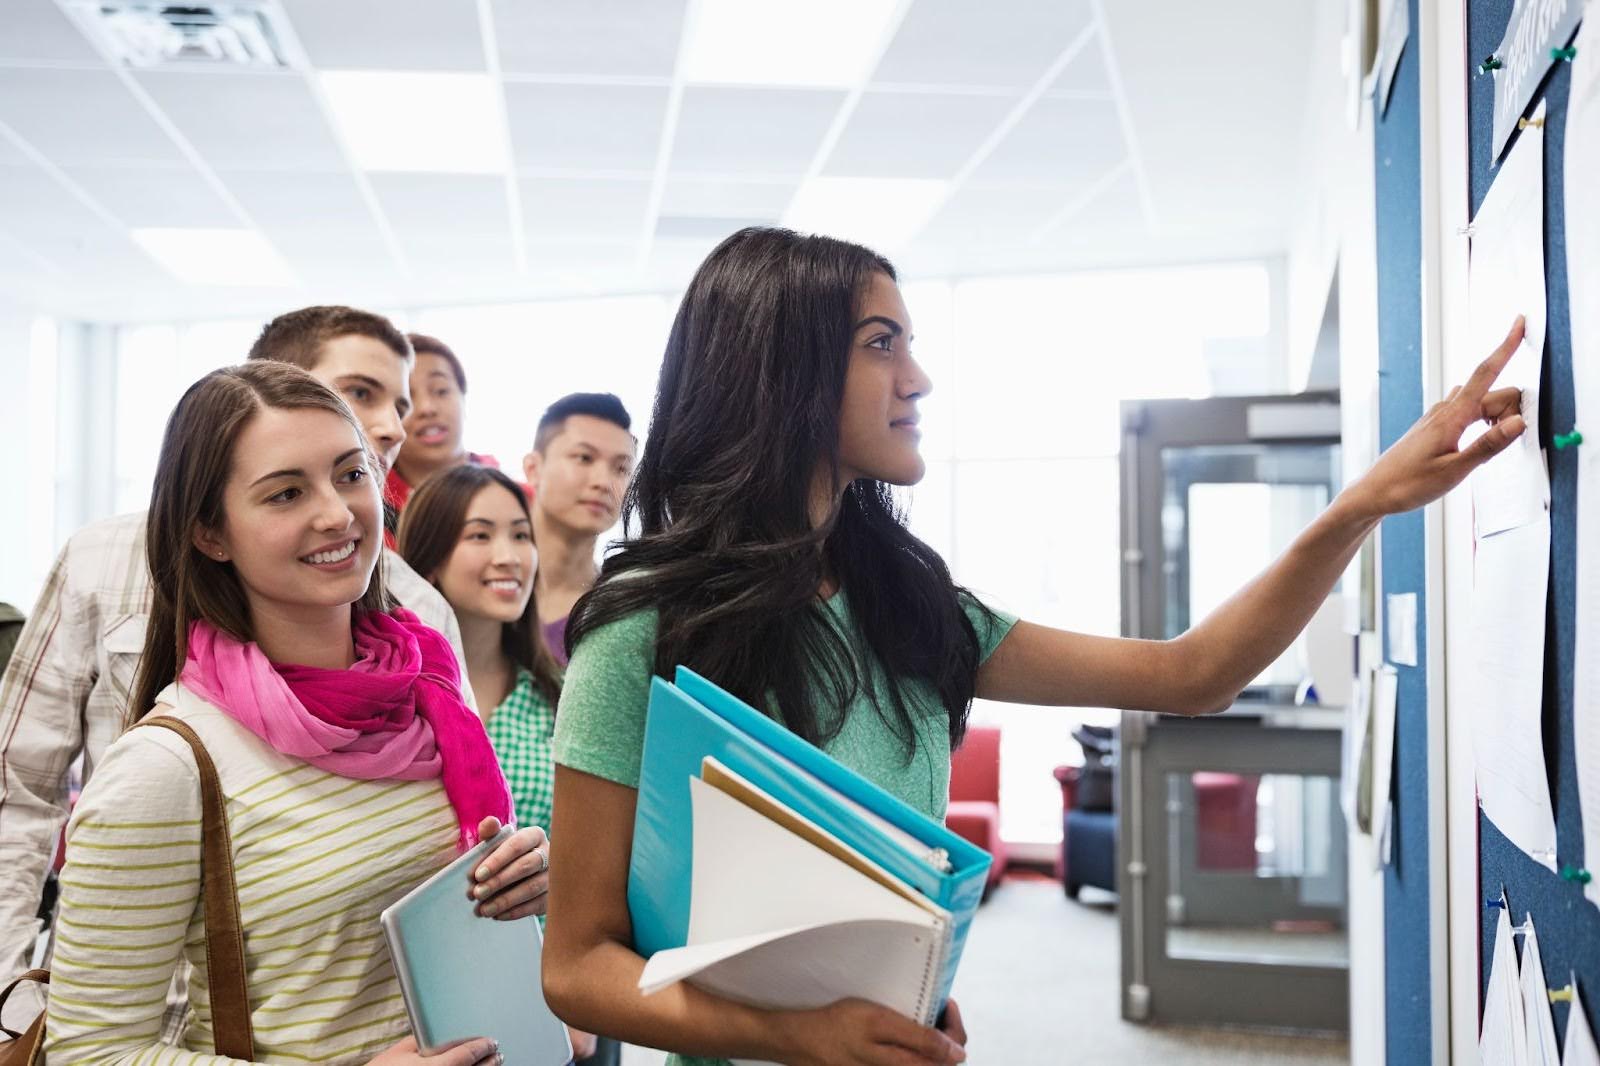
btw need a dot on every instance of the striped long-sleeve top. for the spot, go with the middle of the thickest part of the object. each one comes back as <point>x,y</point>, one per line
<point>316,858</point>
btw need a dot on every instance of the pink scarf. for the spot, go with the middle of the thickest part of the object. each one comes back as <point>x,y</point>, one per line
<point>396,714</point>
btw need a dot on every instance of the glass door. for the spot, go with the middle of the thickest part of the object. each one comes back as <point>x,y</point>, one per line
<point>1232,873</point>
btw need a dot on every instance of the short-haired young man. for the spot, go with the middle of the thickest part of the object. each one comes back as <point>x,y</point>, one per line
<point>65,691</point>
<point>435,428</point>
<point>578,470</point>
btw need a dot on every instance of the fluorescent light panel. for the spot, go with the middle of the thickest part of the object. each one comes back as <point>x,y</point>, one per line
<point>882,213</point>
<point>815,43</point>
<point>216,256</point>
<point>420,122</point>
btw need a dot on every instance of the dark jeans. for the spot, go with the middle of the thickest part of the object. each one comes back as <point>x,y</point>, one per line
<point>607,1052</point>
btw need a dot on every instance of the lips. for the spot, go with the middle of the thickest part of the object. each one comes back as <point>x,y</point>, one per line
<point>504,585</point>
<point>337,554</point>
<point>432,434</point>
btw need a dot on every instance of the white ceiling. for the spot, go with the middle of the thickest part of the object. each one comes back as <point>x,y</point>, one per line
<point>1076,133</point>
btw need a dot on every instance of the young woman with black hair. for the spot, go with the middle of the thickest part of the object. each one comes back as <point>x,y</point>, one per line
<point>771,558</point>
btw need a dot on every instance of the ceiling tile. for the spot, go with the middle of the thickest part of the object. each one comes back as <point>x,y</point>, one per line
<point>1069,141</point>
<point>247,121</point>
<point>757,131</point>
<point>582,210</point>
<point>454,255</point>
<point>389,34</point>
<point>717,197</point>
<point>156,197</point>
<point>586,127</point>
<point>327,203</point>
<point>914,135</point>
<point>974,216</point>
<point>589,37</point>
<point>38,30</point>
<point>358,256</point>
<point>87,117</point>
<point>998,42</point>
<point>1085,74</point>
<point>468,205</point>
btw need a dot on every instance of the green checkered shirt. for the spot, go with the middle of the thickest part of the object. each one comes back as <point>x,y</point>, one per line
<point>520,730</point>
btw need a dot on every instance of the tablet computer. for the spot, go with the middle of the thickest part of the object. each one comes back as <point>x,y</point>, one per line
<point>464,976</point>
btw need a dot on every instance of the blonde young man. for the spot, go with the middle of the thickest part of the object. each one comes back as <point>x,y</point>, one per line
<point>65,691</point>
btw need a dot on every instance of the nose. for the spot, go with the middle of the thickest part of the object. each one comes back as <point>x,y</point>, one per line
<point>504,553</point>
<point>386,432</point>
<point>333,513</point>
<point>915,383</point>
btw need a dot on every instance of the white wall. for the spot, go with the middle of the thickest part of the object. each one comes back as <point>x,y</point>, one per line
<point>1333,249</point>
<point>28,409</point>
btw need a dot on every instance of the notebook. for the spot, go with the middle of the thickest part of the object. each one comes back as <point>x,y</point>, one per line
<point>465,976</point>
<point>738,823</point>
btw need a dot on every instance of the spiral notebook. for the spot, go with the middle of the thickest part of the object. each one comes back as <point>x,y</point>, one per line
<point>765,870</point>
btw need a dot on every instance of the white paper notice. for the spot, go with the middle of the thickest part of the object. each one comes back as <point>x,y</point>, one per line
<point>1385,696</point>
<point>1536,1003</point>
<point>1400,627</point>
<point>1582,184</point>
<point>1503,1039</point>
<point>1511,516</point>
<point>1579,1048</point>
<point>1506,280</point>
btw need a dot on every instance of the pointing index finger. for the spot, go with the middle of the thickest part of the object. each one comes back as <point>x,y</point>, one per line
<point>1477,386</point>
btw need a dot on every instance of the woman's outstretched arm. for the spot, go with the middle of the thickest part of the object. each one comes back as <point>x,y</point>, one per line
<point>1204,669</point>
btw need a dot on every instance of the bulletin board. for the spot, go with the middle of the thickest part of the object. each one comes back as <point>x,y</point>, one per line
<point>1408,1031</point>
<point>1568,926</point>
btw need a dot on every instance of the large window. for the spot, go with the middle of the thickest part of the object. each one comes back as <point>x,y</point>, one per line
<point>1020,431</point>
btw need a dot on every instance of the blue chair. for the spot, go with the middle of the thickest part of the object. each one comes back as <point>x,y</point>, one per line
<point>1088,840</point>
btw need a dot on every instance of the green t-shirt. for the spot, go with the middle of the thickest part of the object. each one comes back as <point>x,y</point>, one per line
<point>600,727</point>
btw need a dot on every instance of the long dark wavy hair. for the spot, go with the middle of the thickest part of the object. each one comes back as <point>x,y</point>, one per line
<point>191,475</point>
<point>430,529</point>
<point>747,411</point>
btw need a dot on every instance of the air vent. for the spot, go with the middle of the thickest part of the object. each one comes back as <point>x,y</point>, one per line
<point>140,33</point>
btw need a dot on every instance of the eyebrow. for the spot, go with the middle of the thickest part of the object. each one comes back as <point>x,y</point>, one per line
<point>490,522</point>
<point>882,320</point>
<point>362,379</point>
<point>301,473</point>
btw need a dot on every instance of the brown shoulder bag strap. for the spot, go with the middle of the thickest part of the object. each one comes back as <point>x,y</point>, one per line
<point>230,998</point>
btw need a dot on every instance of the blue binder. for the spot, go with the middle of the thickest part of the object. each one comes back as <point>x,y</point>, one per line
<point>692,719</point>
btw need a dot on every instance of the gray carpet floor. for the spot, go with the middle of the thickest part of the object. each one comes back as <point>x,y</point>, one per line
<point>1039,987</point>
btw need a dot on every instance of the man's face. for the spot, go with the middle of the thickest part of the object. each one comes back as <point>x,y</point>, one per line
<point>579,477</point>
<point>374,381</point>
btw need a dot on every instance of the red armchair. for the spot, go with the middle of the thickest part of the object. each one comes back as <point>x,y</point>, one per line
<point>974,811</point>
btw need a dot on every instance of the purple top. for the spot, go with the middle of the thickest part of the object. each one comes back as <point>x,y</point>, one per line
<point>555,638</point>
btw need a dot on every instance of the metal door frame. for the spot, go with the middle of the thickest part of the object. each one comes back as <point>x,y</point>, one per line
<point>1280,739</point>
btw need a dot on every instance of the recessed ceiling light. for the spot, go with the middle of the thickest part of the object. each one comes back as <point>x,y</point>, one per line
<point>882,213</point>
<point>818,43</point>
<point>216,256</point>
<point>428,122</point>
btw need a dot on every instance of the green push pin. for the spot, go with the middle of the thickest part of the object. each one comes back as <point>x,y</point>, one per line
<point>1563,441</point>
<point>1569,53</point>
<point>1572,873</point>
<point>1492,63</point>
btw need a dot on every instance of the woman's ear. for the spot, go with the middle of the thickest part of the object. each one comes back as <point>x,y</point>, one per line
<point>209,544</point>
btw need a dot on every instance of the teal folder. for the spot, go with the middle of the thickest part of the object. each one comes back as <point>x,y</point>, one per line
<point>692,719</point>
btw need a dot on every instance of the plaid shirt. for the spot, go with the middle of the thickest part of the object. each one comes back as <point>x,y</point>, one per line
<point>521,729</point>
<point>65,694</point>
